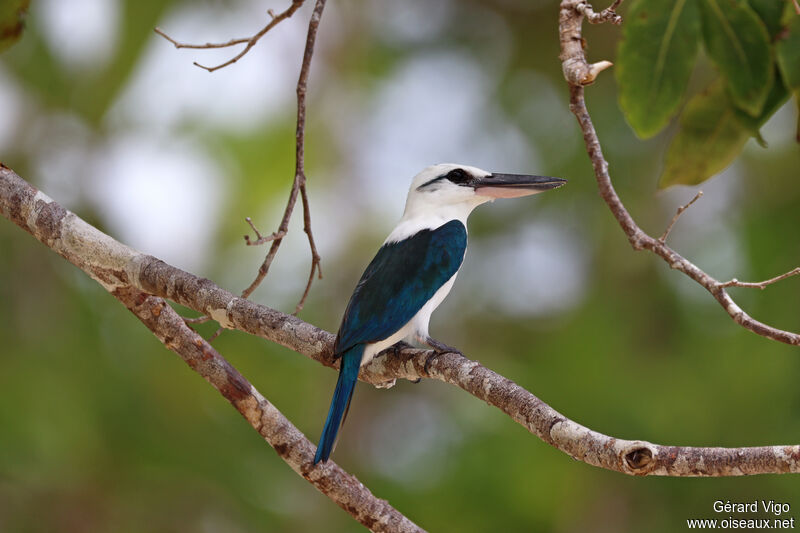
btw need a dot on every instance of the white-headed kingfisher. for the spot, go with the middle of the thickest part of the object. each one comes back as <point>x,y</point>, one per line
<point>414,271</point>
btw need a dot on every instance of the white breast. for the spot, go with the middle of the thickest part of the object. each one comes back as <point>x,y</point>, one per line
<point>416,328</point>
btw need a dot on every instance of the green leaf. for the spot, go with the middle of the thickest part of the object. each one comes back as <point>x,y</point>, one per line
<point>787,51</point>
<point>777,96</point>
<point>712,133</point>
<point>12,13</point>
<point>655,59</point>
<point>738,43</point>
<point>769,11</point>
<point>709,139</point>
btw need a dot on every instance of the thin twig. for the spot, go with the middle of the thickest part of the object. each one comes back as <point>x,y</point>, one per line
<point>178,44</point>
<point>260,239</point>
<point>575,68</point>
<point>609,14</point>
<point>250,42</point>
<point>299,182</point>
<point>316,265</point>
<point>678,214</point>
<point>759,284</point>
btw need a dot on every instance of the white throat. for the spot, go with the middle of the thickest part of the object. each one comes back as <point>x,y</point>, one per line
<point>423,215</point>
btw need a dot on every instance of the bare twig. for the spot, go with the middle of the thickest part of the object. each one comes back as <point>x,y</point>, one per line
<point>119,268</point>
<point>232,42</point>
<point>576,69</point>
<point>760,284</point>
<point>609,14</point>
<point>260,239</point>
<point>316,265</point>
<point>250,42</point>
<point>299,182</point>
<point>678,214</point>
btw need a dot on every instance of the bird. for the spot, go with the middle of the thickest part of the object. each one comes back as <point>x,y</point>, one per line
<point>413,272</point>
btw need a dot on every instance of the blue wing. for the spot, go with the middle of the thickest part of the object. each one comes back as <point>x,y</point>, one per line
<point>401,278</point>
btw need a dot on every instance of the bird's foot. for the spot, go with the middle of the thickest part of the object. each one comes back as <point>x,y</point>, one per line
<point>398,347</point>
<point>438,349</point>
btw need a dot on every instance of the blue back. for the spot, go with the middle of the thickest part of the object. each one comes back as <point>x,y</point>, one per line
<point>401,278</point>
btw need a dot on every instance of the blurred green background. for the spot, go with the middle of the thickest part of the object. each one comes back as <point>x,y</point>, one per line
<point>103,429</point>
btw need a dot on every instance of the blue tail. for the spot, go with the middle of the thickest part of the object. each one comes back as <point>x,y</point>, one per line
<point>348,375</point>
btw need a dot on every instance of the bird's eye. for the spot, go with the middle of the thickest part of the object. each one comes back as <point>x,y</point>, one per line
<point>458,176</point>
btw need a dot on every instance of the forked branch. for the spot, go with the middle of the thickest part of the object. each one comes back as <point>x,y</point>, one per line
<point>120,269</point>
<point>249,42</point>
<point>577,72</point>
<point>299,181</point>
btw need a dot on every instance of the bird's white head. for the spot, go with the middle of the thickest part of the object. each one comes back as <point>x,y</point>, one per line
<point>461,188</point>
<point>450,192</point>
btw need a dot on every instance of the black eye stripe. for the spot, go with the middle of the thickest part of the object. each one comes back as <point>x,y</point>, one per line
<point>434,180</point>
<point>458,176</point>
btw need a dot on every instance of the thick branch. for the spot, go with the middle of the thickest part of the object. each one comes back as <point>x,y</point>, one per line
<point>290,444</point>
<point>119,268</point>
<point>577,71</point>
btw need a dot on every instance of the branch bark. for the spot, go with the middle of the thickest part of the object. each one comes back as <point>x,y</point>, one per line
<point>124,271</point>
<point>578,73</point>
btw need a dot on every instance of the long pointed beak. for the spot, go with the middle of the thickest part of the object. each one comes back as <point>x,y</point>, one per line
<point>515,185</point>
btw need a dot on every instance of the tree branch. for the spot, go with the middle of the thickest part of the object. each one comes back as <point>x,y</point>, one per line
<point>578,73</point>
<point>114,265</point>
<point>250,42</point>
<point>123,271</point>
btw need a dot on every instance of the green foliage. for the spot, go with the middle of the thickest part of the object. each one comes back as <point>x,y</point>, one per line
<point>12,13</point>
<point>712,133</point>
<point>709,139</point>
<point>741,37</point>
<point>653,73</point>
<point>738,43</point>
<point>787,52</point>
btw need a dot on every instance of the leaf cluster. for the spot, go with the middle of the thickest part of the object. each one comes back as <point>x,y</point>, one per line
<point>755,47</point>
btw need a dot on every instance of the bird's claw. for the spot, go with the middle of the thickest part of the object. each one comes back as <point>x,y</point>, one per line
<point>428,361</point>
<point>438,349</point>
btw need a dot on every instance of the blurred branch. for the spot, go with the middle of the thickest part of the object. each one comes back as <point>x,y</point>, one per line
<point>132,276</point>
<point>579,73</point>
<point>117,267</point>
<point>249,42</point>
